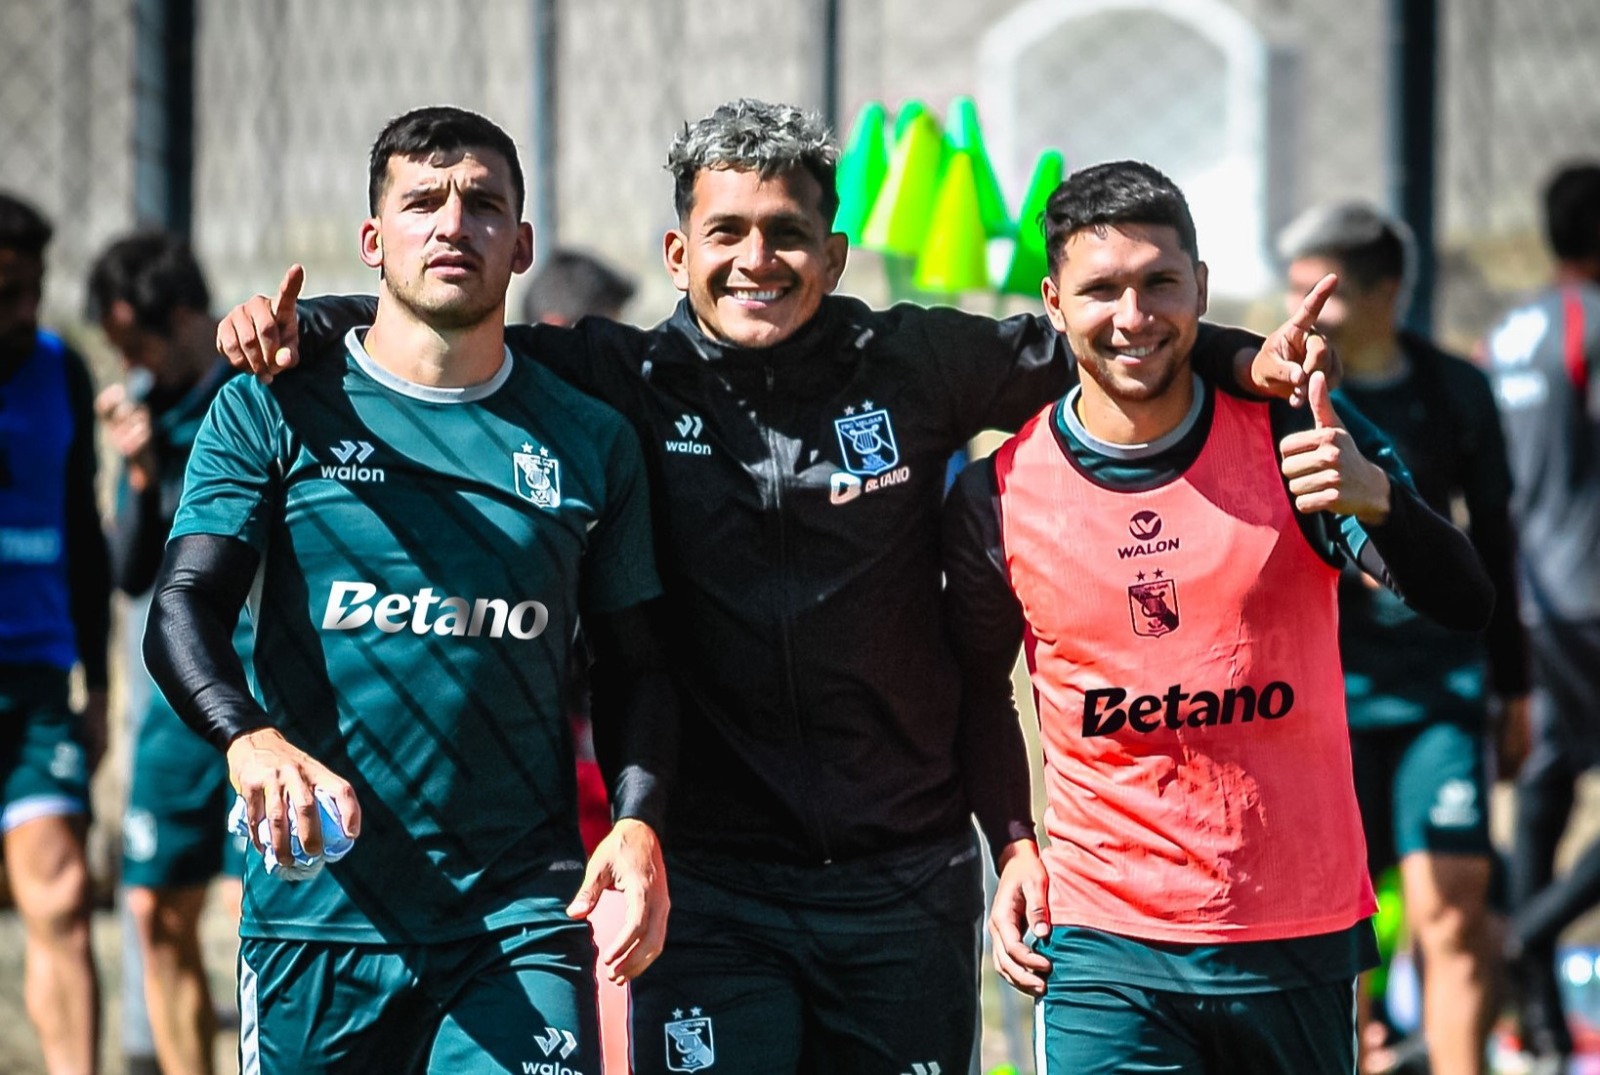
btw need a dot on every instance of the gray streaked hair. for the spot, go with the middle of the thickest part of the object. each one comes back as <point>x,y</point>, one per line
<point>1369,246</point>
<point>754,136</point>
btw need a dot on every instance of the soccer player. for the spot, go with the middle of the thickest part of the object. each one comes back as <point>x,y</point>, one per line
<point>826,882</point>
<point>1416,693</point>
<point>55,591</point>
<point>1202,904</point>
<point>1545,365</point>
<point>149,295</point>
<point>423,521</point>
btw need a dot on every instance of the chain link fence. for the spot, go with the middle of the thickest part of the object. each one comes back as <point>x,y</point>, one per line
<point>1258,107</point>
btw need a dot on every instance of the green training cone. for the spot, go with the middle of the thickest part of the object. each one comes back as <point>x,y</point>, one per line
<point>953,254</point>
<point>1028,261</point>
<point>964,133</point>
<point>907,114</point>
<point>862,168</point>
<point>899,217</point>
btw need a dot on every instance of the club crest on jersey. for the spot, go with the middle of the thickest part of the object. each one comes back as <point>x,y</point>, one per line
<point>689,1043</point>
<point>1154,607</point>
<point>867,441</point>
<point>537,476</point>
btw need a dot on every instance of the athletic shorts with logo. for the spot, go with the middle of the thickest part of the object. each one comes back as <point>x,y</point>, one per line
<point>867,967</point>
<point>518,1000</point>
<point>42,759</point>
<point>174,834</point>
<point>1422,788</point>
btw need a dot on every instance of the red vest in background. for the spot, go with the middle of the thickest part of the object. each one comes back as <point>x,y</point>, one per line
<point>1183,645</point>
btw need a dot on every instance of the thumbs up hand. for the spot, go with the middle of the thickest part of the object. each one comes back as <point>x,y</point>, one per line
<point>1325,470</point>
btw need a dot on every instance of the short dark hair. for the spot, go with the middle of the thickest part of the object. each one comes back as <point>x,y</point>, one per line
<point>1369,246</point>
<point>423,132</point>
<point>1120,192</point>
<point>1572,211</point>
<point>154,272</point>
<point>22,227</point>
<point>753,136</point>
<point>572,284</point>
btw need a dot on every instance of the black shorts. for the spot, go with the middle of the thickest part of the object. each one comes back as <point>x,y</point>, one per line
<point>759,984</point>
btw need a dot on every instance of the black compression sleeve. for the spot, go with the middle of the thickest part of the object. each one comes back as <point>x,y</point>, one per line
<point>188,642</point>
<point>325,319</point>
<point>1431,564</point>
<point>138,538</point>
<point>634,709</point>
<point>89,574</point>
<point>985,624</point>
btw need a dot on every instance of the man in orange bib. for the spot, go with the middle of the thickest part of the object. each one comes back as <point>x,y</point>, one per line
<point>1168,555</point>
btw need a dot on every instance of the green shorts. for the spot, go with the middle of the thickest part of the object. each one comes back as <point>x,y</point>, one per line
<point>1422,788</point>
<point>42,760</point>
<point>767,978</point>
<point>517,1000</point>
<point>1112,1029</point>
<point>175,834</point>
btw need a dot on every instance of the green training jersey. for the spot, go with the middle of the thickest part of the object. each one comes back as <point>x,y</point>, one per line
<point>426,555</point>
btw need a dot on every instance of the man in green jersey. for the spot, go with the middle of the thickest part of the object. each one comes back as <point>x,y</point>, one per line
<point>149,295</point>
<point>422,522</point>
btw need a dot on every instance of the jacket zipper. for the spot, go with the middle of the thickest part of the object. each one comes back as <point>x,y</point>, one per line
<point>790,686</point>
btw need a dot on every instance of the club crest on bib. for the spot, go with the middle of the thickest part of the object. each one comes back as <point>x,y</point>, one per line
<point>537,476</point>
<point>689,1043</point>
<point>867,441</point>
<point>1154,607</point>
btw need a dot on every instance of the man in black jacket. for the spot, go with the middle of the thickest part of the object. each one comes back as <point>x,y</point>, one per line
<point>825,878</point>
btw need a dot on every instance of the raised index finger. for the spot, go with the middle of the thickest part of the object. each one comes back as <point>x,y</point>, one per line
<point>1305,318</point>
<point>288,293</point>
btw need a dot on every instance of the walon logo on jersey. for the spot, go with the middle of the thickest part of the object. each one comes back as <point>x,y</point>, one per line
<point>537,476</point>
<point>353,605</point>
<point>689,427</point>
<point>352,456</point>
<point>1104,712</point>
<point>1145,526</point>
<point>690,1046</point>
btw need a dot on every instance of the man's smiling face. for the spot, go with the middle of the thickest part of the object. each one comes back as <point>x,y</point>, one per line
<point>755,255</point>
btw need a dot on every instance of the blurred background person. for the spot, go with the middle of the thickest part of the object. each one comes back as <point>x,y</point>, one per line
<point>54,613</point>
<point>1545,363</point>
<point>1418,699</point>
<point>569,285</point>
<point>149,295</point>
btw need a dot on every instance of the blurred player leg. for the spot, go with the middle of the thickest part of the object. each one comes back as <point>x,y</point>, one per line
<point>50,880</point>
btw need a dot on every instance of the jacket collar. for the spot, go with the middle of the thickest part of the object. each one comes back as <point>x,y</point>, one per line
<point>836,331</point>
